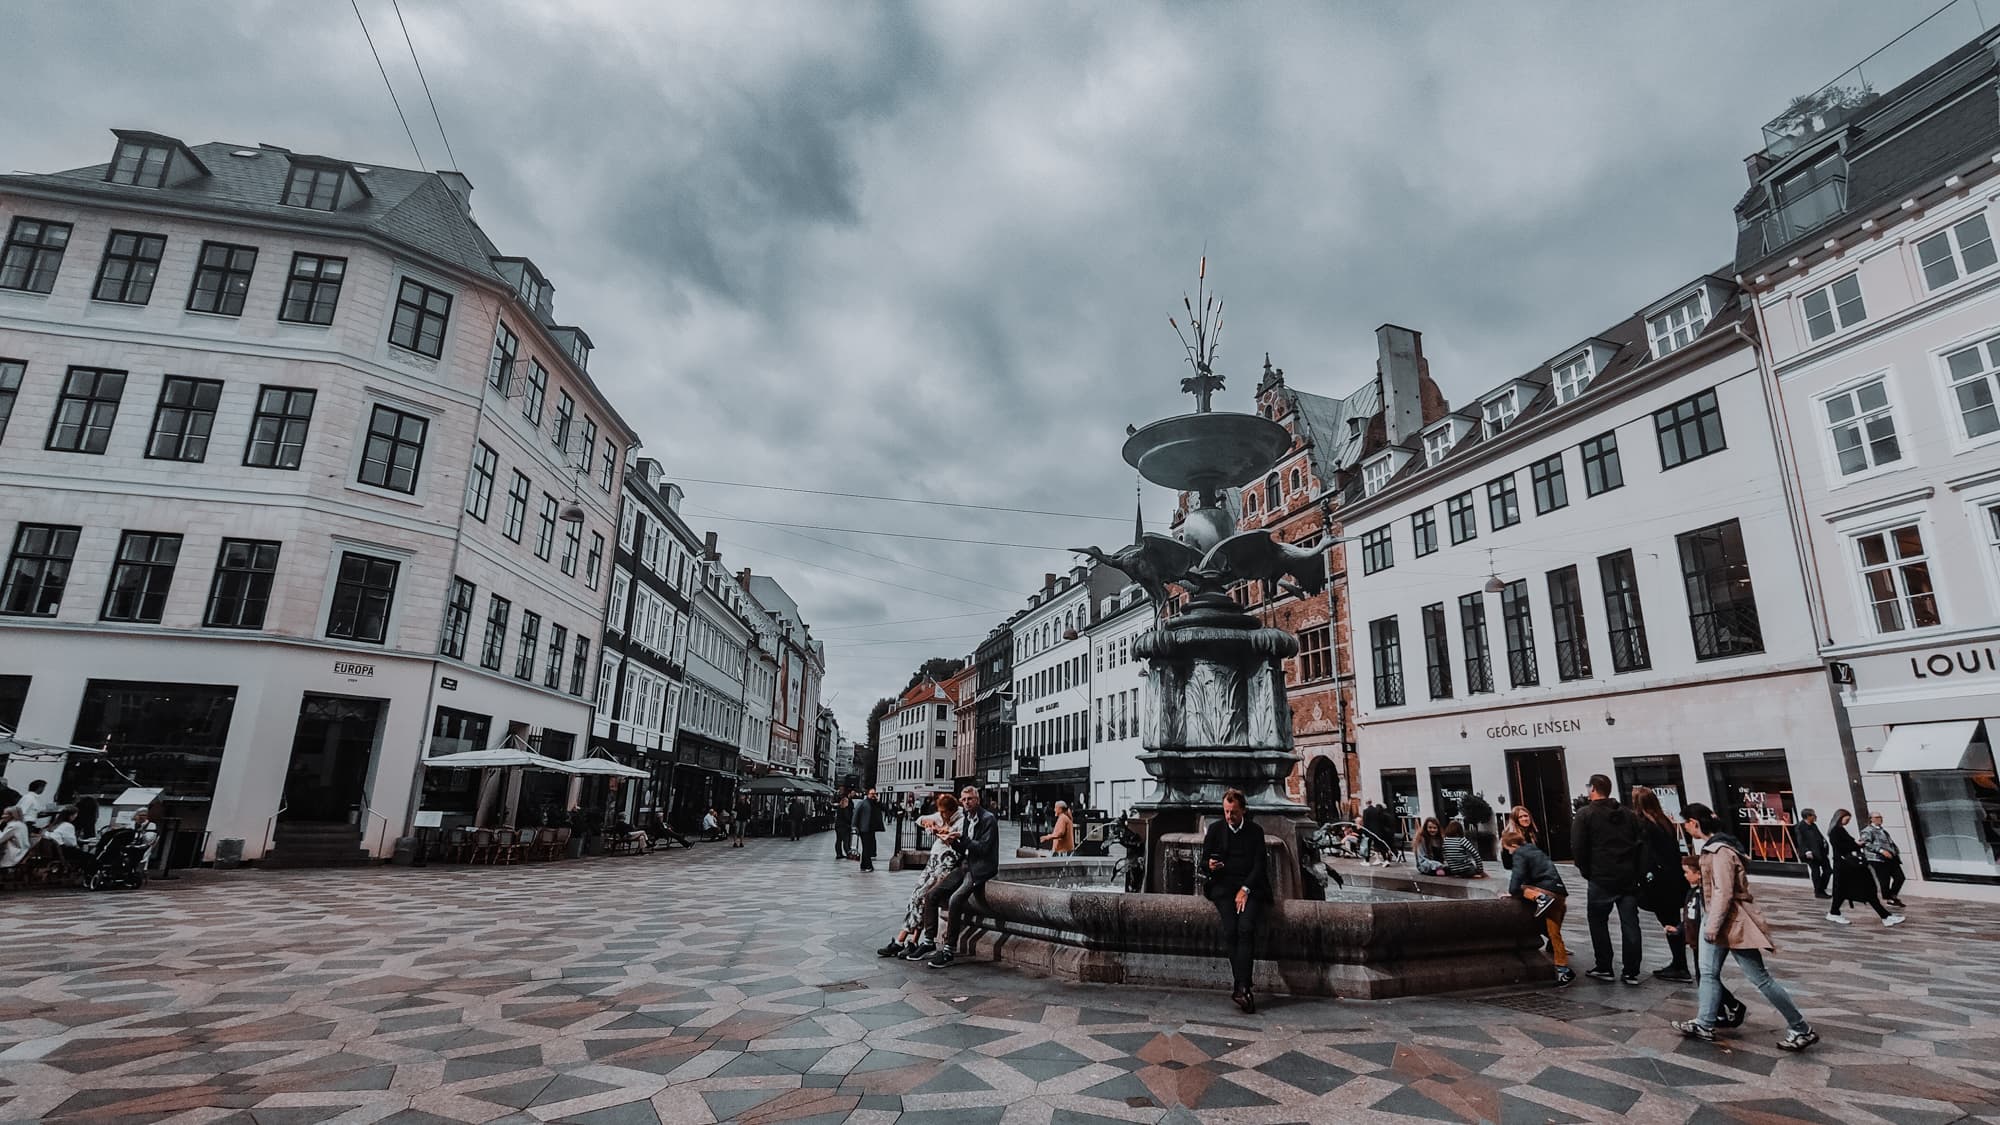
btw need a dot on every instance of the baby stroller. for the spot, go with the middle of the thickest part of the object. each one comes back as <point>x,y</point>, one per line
<point>120,862</point>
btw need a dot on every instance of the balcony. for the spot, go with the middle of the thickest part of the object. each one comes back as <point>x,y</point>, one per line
<point>1389,689</point>
<point>1813,115</point>
<point>1807,212</point>
<point>1522,670</point>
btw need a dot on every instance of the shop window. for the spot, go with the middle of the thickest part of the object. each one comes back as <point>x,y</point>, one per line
<point>1753,796</point>
<point>1659,772</point>
<point>1449,786</point>
<point>1957,814</point>
<point>171,734</point>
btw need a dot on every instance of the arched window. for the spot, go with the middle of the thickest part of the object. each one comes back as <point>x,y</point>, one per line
<point>1271,492</point>
<point>1298,479</point>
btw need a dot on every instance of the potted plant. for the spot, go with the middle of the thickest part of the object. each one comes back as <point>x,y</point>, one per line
<point>1477,814</point>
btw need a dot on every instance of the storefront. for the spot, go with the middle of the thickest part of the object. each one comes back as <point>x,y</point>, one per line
<point>705,776</point>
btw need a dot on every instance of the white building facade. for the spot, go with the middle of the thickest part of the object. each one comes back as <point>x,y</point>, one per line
<point>298,490</point>
<point>1118,780</point>
<point>919,731</point>
<point>1593,571</point>
<point>1051,672</point>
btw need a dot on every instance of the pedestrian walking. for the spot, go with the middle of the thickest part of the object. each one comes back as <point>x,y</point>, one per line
<point>1732,924</point>
<point>1535,880</point>
<point>1730,1012</point>
<point>867,822</point>
<point>740,826</point>
<point>795,815</point>
<point>843,825</point>
<point>1607,845</point>
<point>1378,834</point>
<point>1812,848</point>
<point>1061,839</point>
<point>1878,850</point>
<point>1852,881</point>
<point>1662,888</point>
<point>1237,863</point>
<point>977,842</point>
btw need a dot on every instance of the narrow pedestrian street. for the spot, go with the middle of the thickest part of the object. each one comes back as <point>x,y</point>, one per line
<point>726,985</point>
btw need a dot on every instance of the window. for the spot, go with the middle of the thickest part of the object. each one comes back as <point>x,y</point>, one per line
<point>314,187</point>
<point>607,676</point>
<point>312,289</point>
<point>131,262</point>
<point>498,609</point>
<point>609,469</point>
<point>88,407</point>
<point>538,389</point>
<point>1623,613</point>
<point>500,370</point>
<point>524,657</point>
<point>421,313</point>
<point>1478,657</point>
<point>1601,470</point>
<point>517,507</point>
<point>1499,410</point>
<point>1272,498</point>
<point>1566,612</point>
<point>579,666</point>
<point>1972,372</point>
<point>33,254</point>
<point>479,486</point>
<point>545,539</point>
<point>222,279</point>
<point>242,588</point>
<point>1678,326</point>
<point>1963,250</point>
<point>1437,443</point>
<point>1316,653</point>
<point>1519,629</point>
<point>1377,551</point>
<point>1437,651</point>
<point>1503,506</point>
<point>139,164</point>
<point>1546,477</point>
<point>552,672</point>
<point>1572,377</point>
<point>394,451</point>
<point>1460,516</point>
<point>1862,427</point>
<point>572,547</point>
<point>1374,476</point>
<point>362,594</point>
<point>278,431</point>
<point>1689,430</point>
<point>38,571</point>
<point>1298,479</point>
<point>1424,532</point>
<point>1831,308</point>
<point>11,371</point>
<point>1722,607</point>
<point>565,410</point>
<point>1385,643</point>
<point>185,416</point>
<point>595,563</point>
<point>1897,573</point>
<point>457,618</point>
<point>141,576</point>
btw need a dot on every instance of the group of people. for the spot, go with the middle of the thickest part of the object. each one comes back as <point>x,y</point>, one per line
<point>964,856</point>
<point>1849,870</point>
<point>35,830</point>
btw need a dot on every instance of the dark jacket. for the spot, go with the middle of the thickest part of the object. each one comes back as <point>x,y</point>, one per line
<point>1811,841</point>
<point>1532,867</point>
<point>1245,862</point>
<point>1661,884</point>
<point>1378,822</point>
<point>978,846</point>
<point>1846,849</point>
<point>1608,848</point>
<point>867,817</point>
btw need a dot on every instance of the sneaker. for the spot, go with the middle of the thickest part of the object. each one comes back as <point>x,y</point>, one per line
<point>1893,920</point>
<point>1544,904</point>
<point>893,949</point>
<point>1798,1039</point>
<point>1630,978</point>
<point>1733,1015</point>
<point>1694,1030</point>
<point>919,952</point>
<point>1895,902</point>
<point>1837,919</point>
<point>1564,975</point>
<point>941,959</point>
<point>1601,974</point>
<point>1677,976</point>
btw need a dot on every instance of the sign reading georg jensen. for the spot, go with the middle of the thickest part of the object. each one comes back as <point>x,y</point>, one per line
<point>1970,661</point>
<point>1535,729</point>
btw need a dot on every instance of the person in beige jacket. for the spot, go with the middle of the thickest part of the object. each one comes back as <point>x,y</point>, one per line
<point>1062,841</point>
<point>1732,924</point>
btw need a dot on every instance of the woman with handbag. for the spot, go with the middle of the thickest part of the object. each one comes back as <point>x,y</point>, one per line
<point>1662,888</point>
<point>1851,880</point>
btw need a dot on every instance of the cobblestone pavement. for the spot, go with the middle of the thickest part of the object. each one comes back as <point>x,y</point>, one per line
<point>725,985</point>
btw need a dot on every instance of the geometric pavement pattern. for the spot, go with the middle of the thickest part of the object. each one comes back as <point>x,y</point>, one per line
<point>741,985</point>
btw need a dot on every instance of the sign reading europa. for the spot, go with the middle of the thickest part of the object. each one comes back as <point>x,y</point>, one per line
<point>1535,729</point>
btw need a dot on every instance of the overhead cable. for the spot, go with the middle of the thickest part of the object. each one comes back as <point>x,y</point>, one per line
<point>442,135</point>
<point>385,81</point>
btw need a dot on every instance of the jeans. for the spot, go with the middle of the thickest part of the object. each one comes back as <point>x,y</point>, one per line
<point>1751,961</point>
<point>1239,937</point>
<point>961,899</point>
<point>939,898</point>
<point>1598,904</point>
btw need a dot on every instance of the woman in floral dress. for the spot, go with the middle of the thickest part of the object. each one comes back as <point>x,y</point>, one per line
<point>911,941</point>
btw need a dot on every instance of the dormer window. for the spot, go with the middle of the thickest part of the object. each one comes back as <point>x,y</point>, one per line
<point>1677,327</point>
<point>1572,377</point>
<point>1500,410</point>
<point>313,185</point>
<point>1375,473</point>
<point>140,164</point>
<point>1438,442</point>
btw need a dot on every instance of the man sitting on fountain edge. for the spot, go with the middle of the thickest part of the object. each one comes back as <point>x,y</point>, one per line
<point>1239,884</point>
<point>978,845</point>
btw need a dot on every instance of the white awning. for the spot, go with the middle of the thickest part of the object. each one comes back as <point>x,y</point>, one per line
<point>1925,746</point>
<point>499,757</point>
<point>34,750</point>
<point>603,767</point>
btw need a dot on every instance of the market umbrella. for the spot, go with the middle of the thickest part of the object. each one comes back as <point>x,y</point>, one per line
<point>603,767</point>
<point>34,750</point>
<point>499,757</point>
<point>778,785</point>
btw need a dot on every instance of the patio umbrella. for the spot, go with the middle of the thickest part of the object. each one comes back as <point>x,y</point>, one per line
<point>499,757</point>
<point>773,785</point>
<point>33,750</point>
<point>603,767</point>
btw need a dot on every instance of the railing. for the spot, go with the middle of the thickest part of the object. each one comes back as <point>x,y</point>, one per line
<point>380,839</point>
<point>1522,671</point>
<point>1572,660</point>
<point>1628,649</point>
<point>1804,213</point>
<point>1729,631</point>
<point>1388,689</point>
<point>1440,677</point>
<point>1478,674</point>
<point>1897,61</point>
<point>271,825</point>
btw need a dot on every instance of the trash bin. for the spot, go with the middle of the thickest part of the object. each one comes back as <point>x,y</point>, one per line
<point>406,851</point>
<point>228,853</point>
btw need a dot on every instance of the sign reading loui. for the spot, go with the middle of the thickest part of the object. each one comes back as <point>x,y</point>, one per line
<point>1967,661</point>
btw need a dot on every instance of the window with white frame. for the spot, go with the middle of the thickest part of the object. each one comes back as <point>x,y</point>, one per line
<point>1833,307</point>
<point>1896,572</point>
<point>1437,443</point>
<point>1678,326</point>
<point>1863,427</point>
<point>1965,249</point>
<point>1971,372</point>
<point>1375,474</point>
<point>1573,377</point>
<point>621,587</point>
<point>1500,410</point>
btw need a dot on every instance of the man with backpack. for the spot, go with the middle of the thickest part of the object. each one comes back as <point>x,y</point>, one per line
<point>1606,841</point>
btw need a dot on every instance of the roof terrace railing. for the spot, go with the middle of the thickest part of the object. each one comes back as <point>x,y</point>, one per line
<point>1902,58</point>
<point>1807,212</point>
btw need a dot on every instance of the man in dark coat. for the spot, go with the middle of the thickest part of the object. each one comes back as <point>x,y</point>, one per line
<point>867,822</point>
<point>1609,850</point>
<point>978,846</point>
<point>1812,849</point>
<point>1239,884</point>
<point>1379,824</point>
<point>796,814</point>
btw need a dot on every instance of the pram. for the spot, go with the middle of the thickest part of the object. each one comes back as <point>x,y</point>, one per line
<point>1366,846</point>
<point>120,861</point>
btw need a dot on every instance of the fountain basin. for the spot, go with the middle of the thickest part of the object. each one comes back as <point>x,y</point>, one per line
<point>1420,936</point>
<point>1206,452</point>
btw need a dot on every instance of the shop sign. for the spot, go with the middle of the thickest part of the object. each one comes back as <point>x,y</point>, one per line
<point>1535,729</point>
<point>353,670</point>
<point>447,683</point>
<point>1969,661</point>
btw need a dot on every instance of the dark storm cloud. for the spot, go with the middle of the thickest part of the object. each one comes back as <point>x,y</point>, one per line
<point>930,249</point>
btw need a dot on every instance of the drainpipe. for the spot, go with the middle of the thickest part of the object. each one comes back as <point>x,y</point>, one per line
<point>1806,555</point>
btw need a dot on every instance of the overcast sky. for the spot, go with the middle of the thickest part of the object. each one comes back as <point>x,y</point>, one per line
<point>930,250</point>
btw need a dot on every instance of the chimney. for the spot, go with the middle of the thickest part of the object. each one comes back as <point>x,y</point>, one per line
<point>743,576</point>
<point>460,187</point>
<point>708,547</point>
<point>1756,164</point>
<point>1399,366</point>
<point>1048,581</point>
<point>671,493</point>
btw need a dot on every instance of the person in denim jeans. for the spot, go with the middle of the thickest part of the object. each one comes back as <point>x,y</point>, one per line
<point>1733,926</point>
